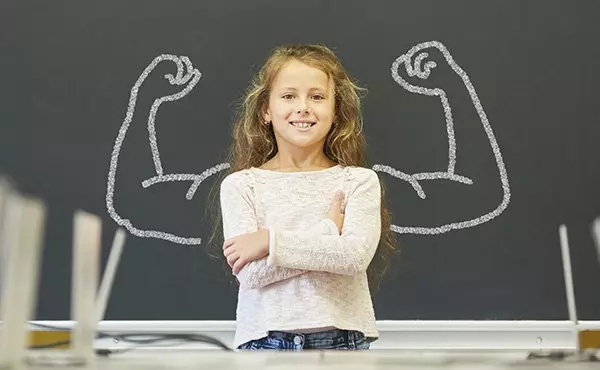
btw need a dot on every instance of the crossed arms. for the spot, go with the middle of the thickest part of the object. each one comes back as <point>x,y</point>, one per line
<point>318,248</point>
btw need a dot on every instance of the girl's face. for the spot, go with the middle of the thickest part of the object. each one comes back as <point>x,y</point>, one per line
<point>301,107</point>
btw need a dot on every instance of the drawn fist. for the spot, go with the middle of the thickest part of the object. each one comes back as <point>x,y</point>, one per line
<point>411,69</point>
<point>179,84</point>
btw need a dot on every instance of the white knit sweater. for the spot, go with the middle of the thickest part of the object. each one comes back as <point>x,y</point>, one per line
<point>313,277</point>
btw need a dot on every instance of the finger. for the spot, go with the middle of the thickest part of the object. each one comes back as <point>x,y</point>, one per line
<point>232,259</point>
<point>228,251</point>
<point>189,68</point>
<point>338,199</point>
<point>342,204</point>
<point>237,266</point>
<point>422,66</point>
<point>228,243</point>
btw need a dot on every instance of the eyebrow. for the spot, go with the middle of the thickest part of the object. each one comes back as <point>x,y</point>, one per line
<point>294,89</point>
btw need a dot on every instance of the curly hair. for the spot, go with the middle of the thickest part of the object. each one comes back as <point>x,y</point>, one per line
<point>254,143</point>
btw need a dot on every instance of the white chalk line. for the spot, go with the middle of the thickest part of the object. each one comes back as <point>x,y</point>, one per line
<point>422,71</point>
<point>193,75</point>
<point>197,179</point>
<point>185,74</point>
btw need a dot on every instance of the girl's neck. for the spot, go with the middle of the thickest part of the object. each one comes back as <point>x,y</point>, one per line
<point>289,163</point>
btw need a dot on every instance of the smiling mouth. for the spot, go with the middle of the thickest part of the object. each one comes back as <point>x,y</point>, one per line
<point>302,124</point>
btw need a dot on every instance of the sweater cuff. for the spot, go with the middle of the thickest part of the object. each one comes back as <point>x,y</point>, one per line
<point>331,227</point>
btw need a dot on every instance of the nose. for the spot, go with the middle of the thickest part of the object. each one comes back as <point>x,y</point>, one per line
<point>303,110</point>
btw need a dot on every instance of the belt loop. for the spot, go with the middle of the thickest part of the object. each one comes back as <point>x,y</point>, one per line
<point>350,338</point>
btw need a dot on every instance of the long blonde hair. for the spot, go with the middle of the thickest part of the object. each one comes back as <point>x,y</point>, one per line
<point>254,142</point>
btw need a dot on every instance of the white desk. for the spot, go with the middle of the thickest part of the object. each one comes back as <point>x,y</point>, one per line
<point>330,360</point>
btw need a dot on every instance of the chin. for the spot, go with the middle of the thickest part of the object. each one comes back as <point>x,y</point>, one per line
<point>302,143</point>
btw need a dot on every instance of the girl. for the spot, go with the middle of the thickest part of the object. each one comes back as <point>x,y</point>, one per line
<point>305,226</point>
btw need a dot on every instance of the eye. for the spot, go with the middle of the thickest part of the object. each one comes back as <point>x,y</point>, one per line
<point>318,97</point>
<point>287,96</point>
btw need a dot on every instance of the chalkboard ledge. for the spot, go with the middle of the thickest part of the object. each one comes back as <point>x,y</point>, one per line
<point>492,335</point>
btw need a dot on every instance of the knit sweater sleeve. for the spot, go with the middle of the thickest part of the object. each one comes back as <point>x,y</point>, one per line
<point>239,217</point>
<point>349,253</point>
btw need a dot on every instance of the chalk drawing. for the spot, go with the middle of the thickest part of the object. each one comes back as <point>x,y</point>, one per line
<point>187,76</point>
<point>422,70</point>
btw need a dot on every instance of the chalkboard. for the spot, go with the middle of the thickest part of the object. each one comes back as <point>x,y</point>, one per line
<point>483,154</point>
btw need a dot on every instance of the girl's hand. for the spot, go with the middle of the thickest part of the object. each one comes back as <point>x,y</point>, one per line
<point>243,249</point>
<point>336,211</point>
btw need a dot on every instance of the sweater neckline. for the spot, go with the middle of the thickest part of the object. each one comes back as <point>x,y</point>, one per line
<point>297,173</point>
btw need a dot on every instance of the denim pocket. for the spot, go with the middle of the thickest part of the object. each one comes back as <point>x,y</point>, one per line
<point>251,345</point>
<point>360,341</point>
<point>362,344</point>
<point>264,343</point>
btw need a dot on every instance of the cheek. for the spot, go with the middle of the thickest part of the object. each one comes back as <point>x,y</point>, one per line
<point>325,112</point>
<point>282,111</point>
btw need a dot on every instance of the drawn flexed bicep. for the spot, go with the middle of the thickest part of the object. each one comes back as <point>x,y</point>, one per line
<point>412,71</point>
<point>174,86</point>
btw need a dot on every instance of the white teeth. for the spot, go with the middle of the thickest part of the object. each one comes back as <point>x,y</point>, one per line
<point>301,124</point>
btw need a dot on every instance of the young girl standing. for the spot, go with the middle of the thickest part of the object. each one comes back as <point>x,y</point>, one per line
<point>305,226</point>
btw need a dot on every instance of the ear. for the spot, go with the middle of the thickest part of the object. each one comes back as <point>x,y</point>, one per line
<point>266,114</point>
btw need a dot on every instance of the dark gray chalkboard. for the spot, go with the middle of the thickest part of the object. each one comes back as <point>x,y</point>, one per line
<point>520,78</point>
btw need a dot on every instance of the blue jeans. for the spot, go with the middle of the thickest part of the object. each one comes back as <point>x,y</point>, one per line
<point>330,339</point>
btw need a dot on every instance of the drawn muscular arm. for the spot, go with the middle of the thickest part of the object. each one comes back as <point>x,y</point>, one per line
<point>172,78</point>
<point>412,71</point>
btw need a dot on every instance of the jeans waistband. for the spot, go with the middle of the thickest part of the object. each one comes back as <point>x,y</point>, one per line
<point>333,335</point>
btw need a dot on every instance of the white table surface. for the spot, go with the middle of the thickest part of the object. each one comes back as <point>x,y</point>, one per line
<point>152,359</point>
